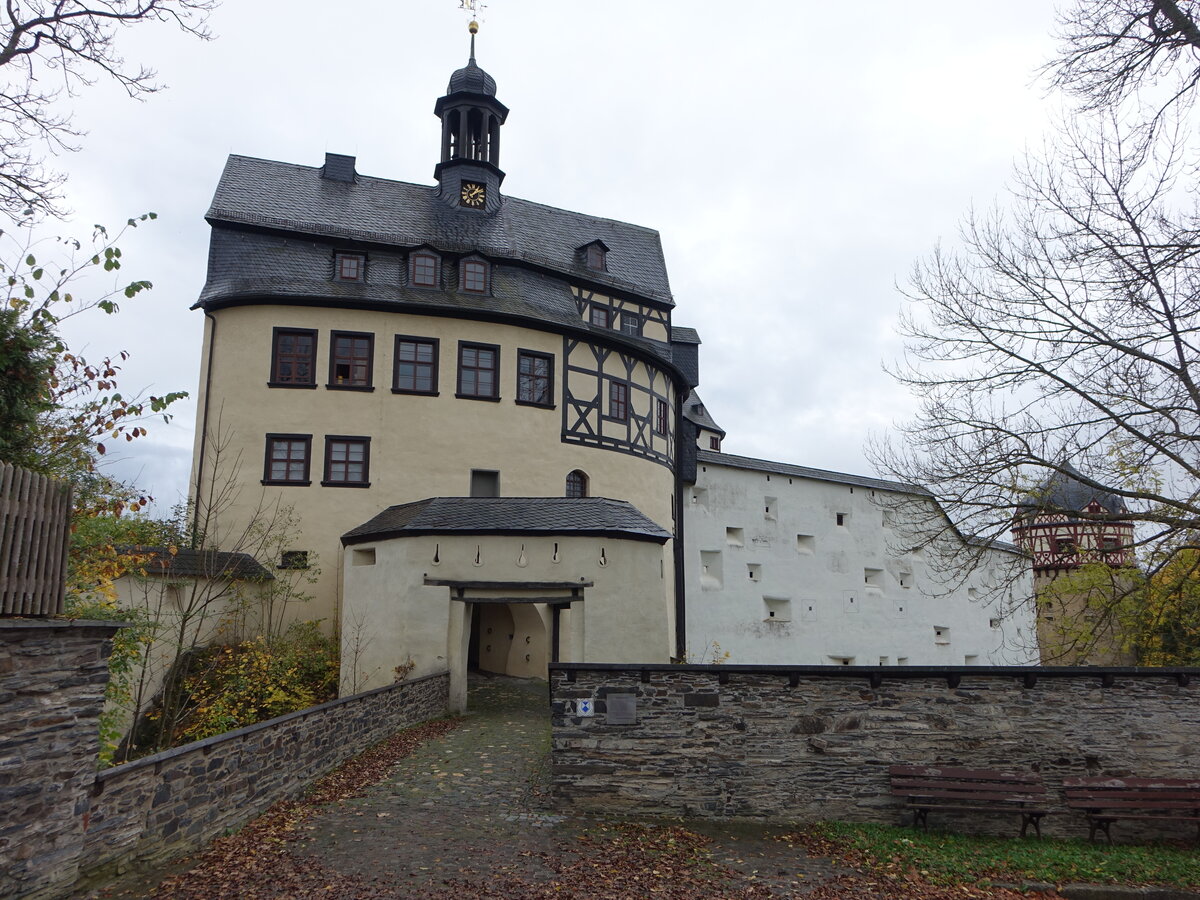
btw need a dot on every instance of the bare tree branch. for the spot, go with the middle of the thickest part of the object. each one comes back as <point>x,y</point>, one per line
<point>1065,331</point>
<point>50,49</point>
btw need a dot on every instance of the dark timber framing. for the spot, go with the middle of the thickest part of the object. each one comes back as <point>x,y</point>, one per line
<point>586,418</point>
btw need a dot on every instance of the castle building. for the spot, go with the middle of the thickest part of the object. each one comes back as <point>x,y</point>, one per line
<point>479,408</point>
<point>1066,525</point>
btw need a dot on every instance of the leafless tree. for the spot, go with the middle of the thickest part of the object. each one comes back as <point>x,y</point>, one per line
<point>1110,50</point>
<point>50,49</point>
<point>1064,330</point>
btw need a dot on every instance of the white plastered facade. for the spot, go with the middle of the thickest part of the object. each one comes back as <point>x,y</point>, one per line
<point>773,578</point>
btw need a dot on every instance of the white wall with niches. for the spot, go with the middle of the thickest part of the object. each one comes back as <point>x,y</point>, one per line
<point>782,569</point>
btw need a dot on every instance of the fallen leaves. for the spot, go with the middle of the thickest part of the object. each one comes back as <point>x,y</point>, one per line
<point>255,863</point>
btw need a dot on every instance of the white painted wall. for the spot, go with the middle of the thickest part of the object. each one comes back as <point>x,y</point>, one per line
<point>391,616</point>
<point>841,592</point>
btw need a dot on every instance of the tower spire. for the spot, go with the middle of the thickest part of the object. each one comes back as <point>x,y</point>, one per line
<point>469,173</point>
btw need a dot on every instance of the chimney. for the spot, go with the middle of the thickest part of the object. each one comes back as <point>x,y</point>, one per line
<point>338,167</point>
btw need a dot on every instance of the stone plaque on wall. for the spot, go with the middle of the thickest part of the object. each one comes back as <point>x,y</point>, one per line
<point>622,709</point>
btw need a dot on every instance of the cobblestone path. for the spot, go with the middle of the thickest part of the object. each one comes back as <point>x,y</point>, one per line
<point>467,815</point>
<point>475,804</point>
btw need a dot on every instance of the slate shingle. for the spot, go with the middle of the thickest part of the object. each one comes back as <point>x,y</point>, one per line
<point>587,516</point>
<point>186,563</point>
<point>766,465</point>
<point>296,198</point>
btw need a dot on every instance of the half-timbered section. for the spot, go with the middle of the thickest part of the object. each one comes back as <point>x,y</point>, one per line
<point>617,400</point>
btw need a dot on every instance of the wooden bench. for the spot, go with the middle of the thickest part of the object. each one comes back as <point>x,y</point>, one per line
<point>953,789</point>
<point>1106,800</point>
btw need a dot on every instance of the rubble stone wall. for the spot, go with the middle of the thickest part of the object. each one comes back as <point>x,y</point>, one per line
<point>52,679</point>
<point>163,805</point>
<point>801,745</point>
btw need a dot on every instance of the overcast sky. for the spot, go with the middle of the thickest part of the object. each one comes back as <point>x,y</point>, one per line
<point>795,159</point>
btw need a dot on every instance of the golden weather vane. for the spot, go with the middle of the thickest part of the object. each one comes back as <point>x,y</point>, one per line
<point>474,7</point>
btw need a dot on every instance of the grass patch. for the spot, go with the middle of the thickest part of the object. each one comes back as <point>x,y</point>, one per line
<point>945,858</point>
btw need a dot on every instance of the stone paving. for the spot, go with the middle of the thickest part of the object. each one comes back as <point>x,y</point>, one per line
<point>473,806</point>
<point>476,803</point>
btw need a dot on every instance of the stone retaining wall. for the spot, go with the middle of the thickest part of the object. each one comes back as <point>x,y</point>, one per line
<point>163,805</point>
<point>52,679</point>
<point>803,744</point>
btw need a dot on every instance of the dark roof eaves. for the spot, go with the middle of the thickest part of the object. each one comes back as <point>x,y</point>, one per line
<point>648,350</point>
<point>751,463</point>
<point>350,538</point>
<point>613,287</point>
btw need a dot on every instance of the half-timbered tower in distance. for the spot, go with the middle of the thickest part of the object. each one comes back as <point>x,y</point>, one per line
<point>1066,525</point>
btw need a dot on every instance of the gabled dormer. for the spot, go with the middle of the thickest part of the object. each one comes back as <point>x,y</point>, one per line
<point>593,255</point>
<point>424,268</point>
<point>474,275</point>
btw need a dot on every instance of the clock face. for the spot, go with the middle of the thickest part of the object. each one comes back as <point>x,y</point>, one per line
<point>473,194</point>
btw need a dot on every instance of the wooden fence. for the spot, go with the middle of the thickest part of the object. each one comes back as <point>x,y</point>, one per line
<point>35,525</point>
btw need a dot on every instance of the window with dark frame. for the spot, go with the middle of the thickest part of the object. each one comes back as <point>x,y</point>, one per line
<point>350,357</point>
<point>416,366</point>
<point>293,559</point>
<point>473,276</point>
<point>577,484</point>
<point>714,443</point>
<point>287,459</point>
<point>535,378</point>
<point>349,267</point>
<point>425,268</point>
<point>597,258</point>
<point>347,461</point>
<point>601,317</point>
<point>631,323</point>
<point>293,357</point>
<point>618,400</point>
<point>1110,544</point>
<point>661,416</point>
<point>478,371</point>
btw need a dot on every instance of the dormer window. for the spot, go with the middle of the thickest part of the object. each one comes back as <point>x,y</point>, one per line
<point>425,269</point>
<point>473,276</point>
<point>595,256</point>
<point>349,267</point>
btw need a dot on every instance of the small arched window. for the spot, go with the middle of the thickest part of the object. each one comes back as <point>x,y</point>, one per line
<point>577,484</point>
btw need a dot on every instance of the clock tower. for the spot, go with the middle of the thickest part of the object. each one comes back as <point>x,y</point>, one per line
<point>469,172</point>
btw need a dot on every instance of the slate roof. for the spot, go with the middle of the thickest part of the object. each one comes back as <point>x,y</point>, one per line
<point>294,198</point>
<point>778,468</point>
<point>695,411</point>
<point>472,79</point>
<point>1065,491</point>
<point>186,563</point>
<point>587,516</point>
